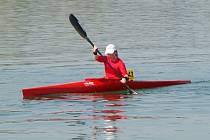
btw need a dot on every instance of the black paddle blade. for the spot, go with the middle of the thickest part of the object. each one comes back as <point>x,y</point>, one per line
<point>75,23</point>
<point>131,91</point>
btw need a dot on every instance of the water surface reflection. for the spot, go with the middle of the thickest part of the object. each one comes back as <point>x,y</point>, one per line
<point>98,112</point>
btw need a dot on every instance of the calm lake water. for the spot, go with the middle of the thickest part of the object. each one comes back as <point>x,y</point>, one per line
<point>159,39</point>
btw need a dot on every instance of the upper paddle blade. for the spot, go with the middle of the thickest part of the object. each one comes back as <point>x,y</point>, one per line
<point>75,23</point>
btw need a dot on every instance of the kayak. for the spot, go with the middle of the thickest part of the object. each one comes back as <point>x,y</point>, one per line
<point>97,85</point>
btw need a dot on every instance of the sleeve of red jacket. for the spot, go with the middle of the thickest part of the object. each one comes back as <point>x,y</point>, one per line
<point>123,69</point>
<point>100,58</point>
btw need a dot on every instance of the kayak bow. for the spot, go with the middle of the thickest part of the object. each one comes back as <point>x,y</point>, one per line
<point>96,85</point>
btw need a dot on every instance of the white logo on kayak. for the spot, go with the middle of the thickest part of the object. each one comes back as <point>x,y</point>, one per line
<point>89,84</point>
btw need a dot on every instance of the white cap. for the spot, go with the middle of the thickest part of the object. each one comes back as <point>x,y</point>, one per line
<point>110,49</point>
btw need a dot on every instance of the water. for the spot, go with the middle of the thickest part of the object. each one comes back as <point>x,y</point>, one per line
<point>158,39</point>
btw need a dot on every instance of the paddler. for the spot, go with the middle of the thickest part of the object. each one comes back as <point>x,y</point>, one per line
<point>112,59</point>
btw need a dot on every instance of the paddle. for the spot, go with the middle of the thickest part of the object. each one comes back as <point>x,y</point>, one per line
<point>75,23</point>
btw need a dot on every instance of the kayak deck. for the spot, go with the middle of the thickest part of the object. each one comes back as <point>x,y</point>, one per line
<point>95,85</point>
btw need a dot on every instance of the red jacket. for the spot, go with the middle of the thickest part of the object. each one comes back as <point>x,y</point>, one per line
<point>118,65</point>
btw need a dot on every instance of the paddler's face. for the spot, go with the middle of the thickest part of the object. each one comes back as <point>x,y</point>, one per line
<point>113,56</point>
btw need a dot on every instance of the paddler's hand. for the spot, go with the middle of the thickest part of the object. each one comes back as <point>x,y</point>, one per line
<point>95,50</point>
<point>123,80</point>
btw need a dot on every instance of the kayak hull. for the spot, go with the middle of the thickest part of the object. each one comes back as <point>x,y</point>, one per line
<point>95,85</point>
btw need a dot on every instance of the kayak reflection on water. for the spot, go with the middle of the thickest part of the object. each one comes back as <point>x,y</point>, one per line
<point>104,110</point>
<point>115,96</point>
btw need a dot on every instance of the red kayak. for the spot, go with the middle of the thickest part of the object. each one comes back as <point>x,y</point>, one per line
<point>96,85</point>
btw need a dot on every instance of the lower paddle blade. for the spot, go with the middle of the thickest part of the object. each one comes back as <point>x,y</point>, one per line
<point>75,23</point>
<point>131,91</point>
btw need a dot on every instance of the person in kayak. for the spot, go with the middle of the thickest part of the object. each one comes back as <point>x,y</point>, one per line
<point>112,59</point>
